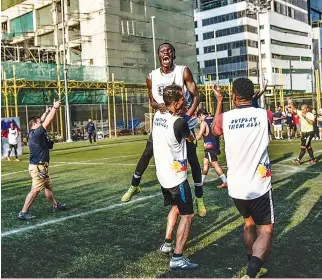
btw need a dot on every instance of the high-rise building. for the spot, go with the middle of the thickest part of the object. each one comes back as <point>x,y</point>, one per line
<point>114,34</point>
<point>285,40</point>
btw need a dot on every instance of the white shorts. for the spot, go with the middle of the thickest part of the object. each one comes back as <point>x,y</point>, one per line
<point>278,127</point>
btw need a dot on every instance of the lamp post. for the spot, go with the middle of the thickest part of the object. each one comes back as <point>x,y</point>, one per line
<point>259,7</point>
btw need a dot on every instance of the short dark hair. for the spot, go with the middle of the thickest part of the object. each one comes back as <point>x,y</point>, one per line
<point>243,88</point>
<point>173,49</point>
<point>172,93</point>
<point>202,111</point>
<point>33,120</point>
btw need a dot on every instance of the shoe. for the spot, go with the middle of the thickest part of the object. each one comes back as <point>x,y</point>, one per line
<point>17,160</point>
<point>223,185</point>
<point>130,193</point>
<point>166,248</point>
<point>262,271</point>
<point>314,161</point>
<point>8,158</point>
<point>25,215</point>
<point>182,263</point>
<point>297,161</point>
<point>201,209</point>
<point>59,207</point>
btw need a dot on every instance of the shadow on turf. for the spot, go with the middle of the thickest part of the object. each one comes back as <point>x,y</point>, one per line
<point>296,254</point>
<point>284,157</point>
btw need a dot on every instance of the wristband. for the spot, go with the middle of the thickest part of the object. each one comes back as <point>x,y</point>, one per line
<point>186,117</point>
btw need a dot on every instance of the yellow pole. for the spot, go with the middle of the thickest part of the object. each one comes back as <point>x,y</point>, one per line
<point>6,94</point>
<point>114,105</point>
<point>15,90</point>
<point>318,89</point>
<point>229,94</point>
<point>127,109</point>
<point>57,124</point>
<point>108,109</point>
<point>123,112</point>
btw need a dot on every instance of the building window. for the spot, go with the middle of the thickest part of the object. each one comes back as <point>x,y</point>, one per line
<point>197,51</point>
<point>261,27</point>
<point>208,35</point>
<point>280,43</point>
<point>196,24</point>
<point>305,58</point>
<point>288,31</point>
<point>196,38</point>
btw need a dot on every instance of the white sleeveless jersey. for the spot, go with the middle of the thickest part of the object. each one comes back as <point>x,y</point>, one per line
<point>246,140</point>
<point>13,136</point>
<point>161,80</point>
<point>170,155</point>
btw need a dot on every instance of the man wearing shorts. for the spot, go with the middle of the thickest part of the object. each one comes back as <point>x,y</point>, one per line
<point>278,116</point>
<point>39,146</point>
<point>245,129</point>
<point>211,146</point>
<point>170,132</point>
<point>13,140</point>
<point>307,131</point>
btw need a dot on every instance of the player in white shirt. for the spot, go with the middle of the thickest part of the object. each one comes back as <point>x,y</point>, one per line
<point>245,129</point>
<point>167,74</point>
<point>170,132</point>
<point>13,140</point>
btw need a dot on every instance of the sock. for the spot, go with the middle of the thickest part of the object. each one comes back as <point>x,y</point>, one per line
<point>302,153</point>
<point>177,255</point>
<point>203,178</point>
<point>223,178</point>
<point>310,151</point>
<point>198,191</point>
<point>249,256</point>
<point>168,240</point>
<point>136,179</point>
<point>254,266</point>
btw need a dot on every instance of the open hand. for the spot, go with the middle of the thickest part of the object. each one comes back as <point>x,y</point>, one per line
<point>217,91</point>
<point>56,104</point>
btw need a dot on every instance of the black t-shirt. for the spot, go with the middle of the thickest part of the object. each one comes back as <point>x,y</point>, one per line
<point>289,118</point>
<point>181,129</point>
<point>90,127</point>
<point>38,146</point>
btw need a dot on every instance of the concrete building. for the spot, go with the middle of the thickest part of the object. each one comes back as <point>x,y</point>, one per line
<point>115,35</point>
<point>315,9</point>
<point>285,36</point>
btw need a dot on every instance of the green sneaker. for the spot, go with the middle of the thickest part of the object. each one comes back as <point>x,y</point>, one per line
<point>130,193</point>
<point>201,209</point>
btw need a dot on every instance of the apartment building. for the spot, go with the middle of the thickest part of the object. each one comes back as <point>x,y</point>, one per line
<point>284,34</point>
<point>115,35</point>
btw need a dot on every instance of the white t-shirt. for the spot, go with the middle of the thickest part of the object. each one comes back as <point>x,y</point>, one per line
<point>13,136</point>
<point>246,141</point>
<point>161,81</point>
<point>169,148</point>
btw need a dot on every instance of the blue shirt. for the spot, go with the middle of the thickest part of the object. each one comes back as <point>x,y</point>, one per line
<point>38,146</point>
<point>90,127</point>
<point>278,115</point>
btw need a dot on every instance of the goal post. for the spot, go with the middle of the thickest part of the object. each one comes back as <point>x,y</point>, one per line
<point>148,120</point>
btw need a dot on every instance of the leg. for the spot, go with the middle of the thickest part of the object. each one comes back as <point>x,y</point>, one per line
<point>50,196</point>
<point>140,169</point>
<point>250,235</point>
<point>215,164</point>
<point>320,129</point>
<point>262,245</point>
<point>205,169</point>
<point>90,137</point>
<point>9,151</point>
<point>195,168</point>
<point>16,153</point>
<point>32,195</point>
<point>94,136</point>
<point>171,222</point>
<point>183,232</point>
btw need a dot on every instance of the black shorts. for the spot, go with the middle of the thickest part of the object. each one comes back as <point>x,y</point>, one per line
<point>13,146</point>
<point>290,126</point>
<point>261,209</point>
<point>306,139</point>
<point>180,196</point>
<point>211,155</point>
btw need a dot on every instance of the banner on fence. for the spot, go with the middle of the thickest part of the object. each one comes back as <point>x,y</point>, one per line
<point>5,126</point>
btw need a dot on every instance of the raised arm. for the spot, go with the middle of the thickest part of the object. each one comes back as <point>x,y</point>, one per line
<point>216,126</point>
<point>51,115</point>
<point>44,115</point>
<point>260,93</point>
<point>193,90</point>
<point>153,102</point>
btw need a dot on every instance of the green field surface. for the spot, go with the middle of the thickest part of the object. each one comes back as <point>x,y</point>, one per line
<point>98,236</point>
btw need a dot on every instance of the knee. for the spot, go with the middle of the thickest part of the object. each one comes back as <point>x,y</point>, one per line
<point>268,230</point>
<point>35,191</point>
<point>249,223</point>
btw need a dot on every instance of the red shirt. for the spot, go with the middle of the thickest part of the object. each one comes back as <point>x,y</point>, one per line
<point>296,119</point>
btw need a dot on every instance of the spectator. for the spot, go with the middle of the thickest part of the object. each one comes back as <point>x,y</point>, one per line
<point>91,131</point>
<point>319,119</point>
<point>13,140</point>
<point>297,127</point>
<point>278,116</point>
<point>289,122</point>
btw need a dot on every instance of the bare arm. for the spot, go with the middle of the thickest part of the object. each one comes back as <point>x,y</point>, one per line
<point>44,115</point>
<point>201,131</point>
<point>260,93</point>
<point>153,102</point>
<point>51,115</point>
<point>291,104</point>
<point>193,90</point>
<point>219,97</point>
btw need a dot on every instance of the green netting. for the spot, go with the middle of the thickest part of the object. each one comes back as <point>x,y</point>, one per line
<point>22,24</point>
<point>46,71</point>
